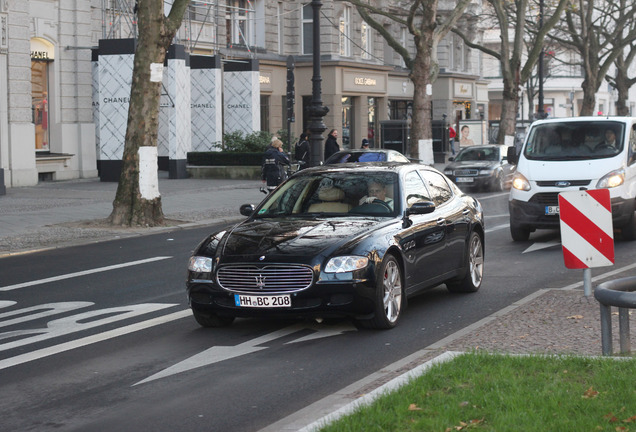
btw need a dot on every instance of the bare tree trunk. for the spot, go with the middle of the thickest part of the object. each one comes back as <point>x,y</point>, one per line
<point>138,203</point>
<point>589,96</point>
<point>422,129</point>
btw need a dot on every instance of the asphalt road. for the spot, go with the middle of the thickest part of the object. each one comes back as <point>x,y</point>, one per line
<point>102,338</point>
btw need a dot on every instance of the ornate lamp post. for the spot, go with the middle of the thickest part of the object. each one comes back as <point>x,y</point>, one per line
<point>316,111</point>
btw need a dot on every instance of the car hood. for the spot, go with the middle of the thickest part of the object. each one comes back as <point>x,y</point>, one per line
<point>305,237</point>
<point>472,164</point>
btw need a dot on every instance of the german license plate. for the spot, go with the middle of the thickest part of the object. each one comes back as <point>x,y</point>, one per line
<point>464,179</point>
<point>551,210</point>
<point>262,301</point>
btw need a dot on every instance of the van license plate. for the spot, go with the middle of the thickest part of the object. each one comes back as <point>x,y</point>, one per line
<point>551,210</point>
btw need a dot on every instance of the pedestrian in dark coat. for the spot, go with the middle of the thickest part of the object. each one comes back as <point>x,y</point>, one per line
<point>273,169</point>
<point>331,145</point>
<point>302,151</point>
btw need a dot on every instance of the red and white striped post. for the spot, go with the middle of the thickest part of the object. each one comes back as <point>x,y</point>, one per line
<point>587,234</point>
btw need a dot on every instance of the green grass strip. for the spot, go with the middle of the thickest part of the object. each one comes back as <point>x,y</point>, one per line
<point>484,392</point>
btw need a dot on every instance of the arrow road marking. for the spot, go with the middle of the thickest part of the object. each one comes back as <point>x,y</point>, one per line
<point>220,353</point>
<point>542,245</point>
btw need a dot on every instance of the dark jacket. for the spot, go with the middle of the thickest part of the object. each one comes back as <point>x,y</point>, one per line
<point>273,168</point>
<point>302,153</point>
<point>331,146</point>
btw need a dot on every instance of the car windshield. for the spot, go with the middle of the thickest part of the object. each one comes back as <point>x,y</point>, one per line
<point>334,194</point>
<point>478,154</point>
<point>575,140</point>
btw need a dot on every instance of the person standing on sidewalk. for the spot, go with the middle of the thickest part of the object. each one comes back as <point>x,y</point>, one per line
<point>451,135</point>
<point>301,153</point>
<point>331,145</point>
<point>273,168</point>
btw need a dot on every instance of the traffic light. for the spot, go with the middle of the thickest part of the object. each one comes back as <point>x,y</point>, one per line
<point>290,89</point>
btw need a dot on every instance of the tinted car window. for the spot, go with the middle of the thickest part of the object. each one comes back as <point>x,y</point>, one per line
<point>414,189</point>
<point>440,190</point>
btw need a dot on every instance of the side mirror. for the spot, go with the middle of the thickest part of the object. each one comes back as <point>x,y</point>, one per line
<point>452,158</point>
<point>512,155</point>
<point>421,207</point>
<point>247,209</point>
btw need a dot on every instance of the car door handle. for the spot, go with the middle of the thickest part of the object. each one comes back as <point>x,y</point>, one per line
<point>441,221</point>
<point>466,212</point>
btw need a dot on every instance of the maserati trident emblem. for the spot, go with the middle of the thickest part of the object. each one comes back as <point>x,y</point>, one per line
<point>260,281</point>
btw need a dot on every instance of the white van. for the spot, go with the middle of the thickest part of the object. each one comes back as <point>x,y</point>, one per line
<point>568,154</point>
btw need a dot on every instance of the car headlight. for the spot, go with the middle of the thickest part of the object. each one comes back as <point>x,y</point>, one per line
<point>612,179</point>
<point>200,264</point>
<point>519,182</point>
<point>448,172</point>
<point>344,264</point>
<point>485,172</point>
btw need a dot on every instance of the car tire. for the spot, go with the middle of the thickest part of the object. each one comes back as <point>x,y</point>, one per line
<point>471,282</point>
<point>498,183</point>
<point>628,231</point>
<point>210,319</point>
<point>389,300</point>
<point>518,232</point>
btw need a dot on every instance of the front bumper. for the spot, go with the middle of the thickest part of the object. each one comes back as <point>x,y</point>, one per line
<point>532,214</point>
<point>354,299</point>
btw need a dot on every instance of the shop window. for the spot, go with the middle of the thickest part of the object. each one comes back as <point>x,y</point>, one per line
<point>40,104</point>
<point>347,121</point>
<point>372,122</point>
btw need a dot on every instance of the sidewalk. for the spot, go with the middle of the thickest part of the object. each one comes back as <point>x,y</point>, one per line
<point>54,214</point>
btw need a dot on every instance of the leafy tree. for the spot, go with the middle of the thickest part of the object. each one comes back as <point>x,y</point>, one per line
<point>428,28</point>
<point>139,203</point>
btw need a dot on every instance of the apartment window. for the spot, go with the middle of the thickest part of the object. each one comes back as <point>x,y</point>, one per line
<point>367,40</point>
<point>345,32</point>
<point>281,28</point>
<point>239,22</point>
<point>308,30</point>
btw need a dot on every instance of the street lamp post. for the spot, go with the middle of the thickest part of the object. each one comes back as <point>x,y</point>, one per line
<point>316,111</point>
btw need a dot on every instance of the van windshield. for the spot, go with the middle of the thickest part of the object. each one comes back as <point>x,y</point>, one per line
<point>575,140</point>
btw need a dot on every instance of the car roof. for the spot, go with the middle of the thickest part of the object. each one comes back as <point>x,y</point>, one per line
<point>365,166</point>
<point>621,119</point>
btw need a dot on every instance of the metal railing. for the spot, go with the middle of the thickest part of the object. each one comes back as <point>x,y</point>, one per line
<point>620,293</point>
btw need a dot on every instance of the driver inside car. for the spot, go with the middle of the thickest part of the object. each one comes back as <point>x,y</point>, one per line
<point>376,191</point>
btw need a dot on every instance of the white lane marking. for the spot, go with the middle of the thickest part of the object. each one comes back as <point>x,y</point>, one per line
<point>45,352</point>
<point>81,273</point>
<point>497,227</point>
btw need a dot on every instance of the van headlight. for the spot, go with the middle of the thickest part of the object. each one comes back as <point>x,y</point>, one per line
<point>519,182</point>
<point>611,180</point>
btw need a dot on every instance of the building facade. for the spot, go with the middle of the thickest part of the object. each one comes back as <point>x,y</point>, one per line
<point>50,109</point>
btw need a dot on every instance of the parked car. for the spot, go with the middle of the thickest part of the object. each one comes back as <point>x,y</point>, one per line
<point>343,240</point>
<point>370,155</point>
<point>481,167</point>
<point>570,154</point>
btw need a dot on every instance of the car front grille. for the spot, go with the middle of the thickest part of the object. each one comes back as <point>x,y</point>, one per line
<point>265,279</point>
<point>561,183</point>
<point>546,198</point>
<point>466,172</point>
